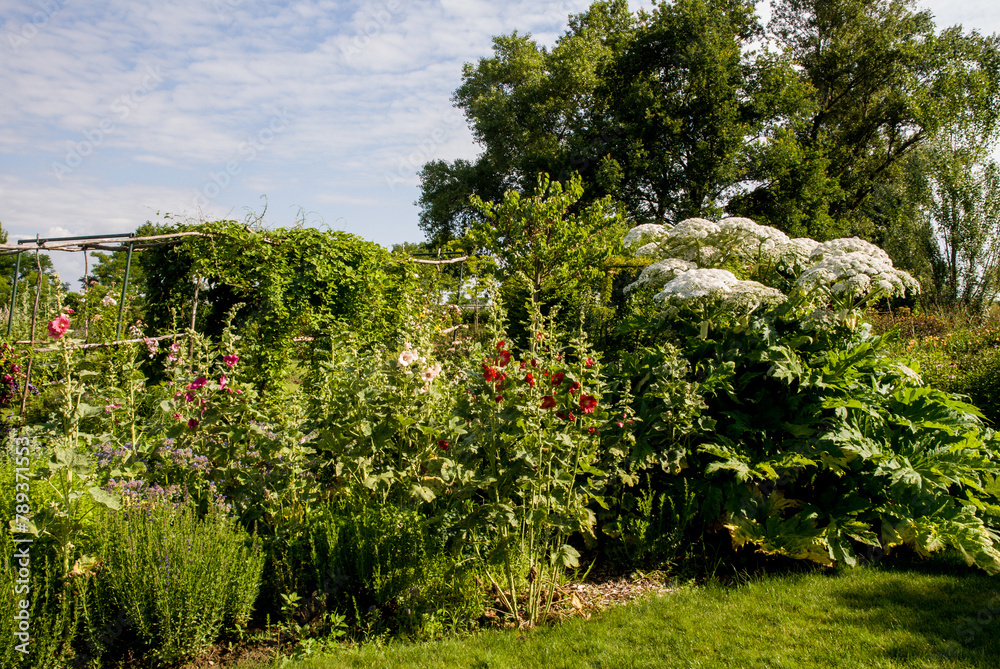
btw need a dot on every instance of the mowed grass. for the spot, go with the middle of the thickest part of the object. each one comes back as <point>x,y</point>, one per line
<point>858,618</point>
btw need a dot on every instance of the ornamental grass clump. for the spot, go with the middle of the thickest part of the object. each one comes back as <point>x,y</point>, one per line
<point>178,580</point>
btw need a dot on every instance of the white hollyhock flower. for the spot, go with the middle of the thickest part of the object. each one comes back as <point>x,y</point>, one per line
<point>642,234</point>
<point>408,356</point>
<point>657,274</point>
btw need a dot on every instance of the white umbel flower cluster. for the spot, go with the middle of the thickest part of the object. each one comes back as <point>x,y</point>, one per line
<point>659,273</point>
<point>744,238</point>
<point>794,255</point>
<point>856,274</point>
<point>843,246</point>
<point>650,249</point>
<point>644,234</point>
<point>707,284</point>
<point>697,283</point>
<point>693,252</point>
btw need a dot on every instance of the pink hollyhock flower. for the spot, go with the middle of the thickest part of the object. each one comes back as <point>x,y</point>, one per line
<point>548,402</point>
<point>71,311</point>
<point>587,403</point>
<point>59,326</point>
<point>230,360</point>
<point>222,382</point>
<point>193,423</point>
<point>177,416</point>
<point>188,397</point>
<point>197,383</point>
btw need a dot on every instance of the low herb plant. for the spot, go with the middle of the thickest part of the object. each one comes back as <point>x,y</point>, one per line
<point>179,580</point>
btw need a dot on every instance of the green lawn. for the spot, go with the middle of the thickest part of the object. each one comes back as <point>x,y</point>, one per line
<point>854,619</point>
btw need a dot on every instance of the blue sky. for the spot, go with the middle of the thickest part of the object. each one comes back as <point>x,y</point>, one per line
<point>116,112</point>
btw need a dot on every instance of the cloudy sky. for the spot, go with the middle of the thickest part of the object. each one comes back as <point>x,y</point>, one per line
<point>115,112</point>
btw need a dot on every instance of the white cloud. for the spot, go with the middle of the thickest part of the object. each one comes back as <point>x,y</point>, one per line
<point>366,85</point>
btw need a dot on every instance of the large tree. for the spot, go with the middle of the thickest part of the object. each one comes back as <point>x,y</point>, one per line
<point>884,83</point>
<point>681,109</point>
<point>533,110</point>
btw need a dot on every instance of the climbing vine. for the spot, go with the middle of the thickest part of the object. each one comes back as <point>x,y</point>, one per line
<point>283,284</point>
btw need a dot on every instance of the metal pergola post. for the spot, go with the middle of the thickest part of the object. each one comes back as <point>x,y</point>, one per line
<point>13,294</point>
<point>128,271</point>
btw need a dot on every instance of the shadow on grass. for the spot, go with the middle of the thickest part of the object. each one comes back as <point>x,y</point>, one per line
<point>957,615</point>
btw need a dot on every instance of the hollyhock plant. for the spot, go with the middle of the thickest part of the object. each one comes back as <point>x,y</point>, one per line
<point>197,383</point>
<point>59,326</point>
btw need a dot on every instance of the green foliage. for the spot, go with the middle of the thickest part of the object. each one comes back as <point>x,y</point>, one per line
<point>284,283</point>
<point>179,580</point>
<point>822,443</point>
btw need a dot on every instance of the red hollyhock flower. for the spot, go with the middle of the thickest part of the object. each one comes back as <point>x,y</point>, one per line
<point>504,358</point>
<point>575,387</point>
<point>499,399</point>
<point>197,383</point>
<point>529,379</point>
<point>571,417</point>
<point>548,402</point>
<point>590,361</point>
<point>501,344</point>
<point>592,430</point>
<point>444,445</point>
<point>489,373</point>
<point>587,403</point>
<point>557,378</point>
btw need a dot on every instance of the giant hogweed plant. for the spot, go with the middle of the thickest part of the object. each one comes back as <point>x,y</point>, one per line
<point>811,442</point>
